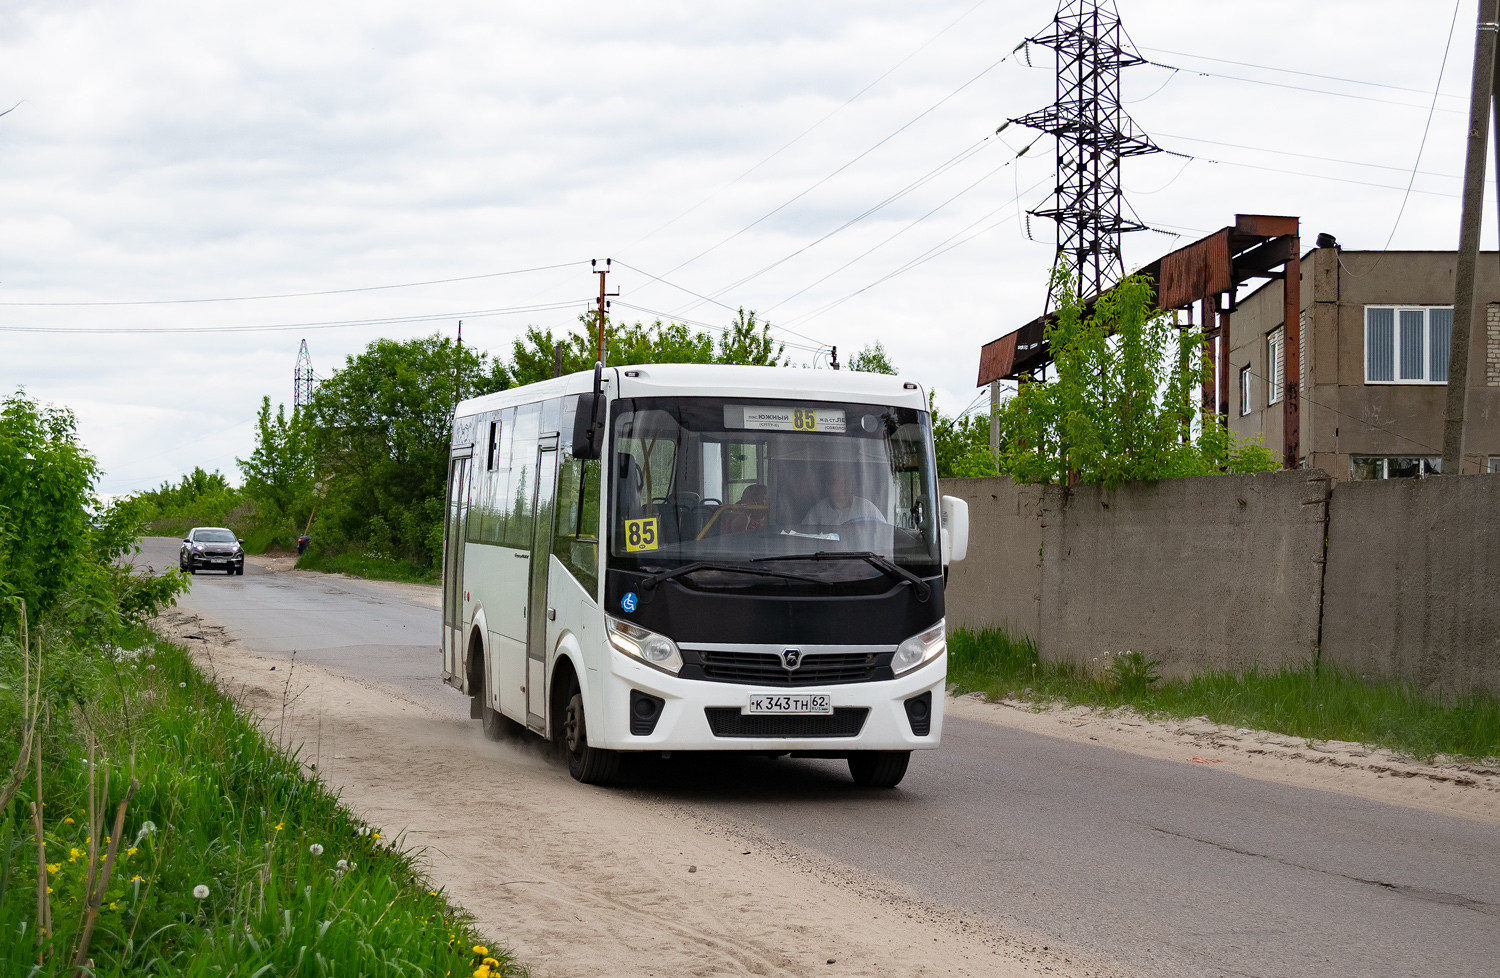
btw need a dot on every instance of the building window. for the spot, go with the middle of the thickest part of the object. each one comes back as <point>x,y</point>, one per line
<point>1395,466</point>
<point>1275,366</point>
<point>1495,465</point>
<point>1407,345</point>
<point>1244,390</point>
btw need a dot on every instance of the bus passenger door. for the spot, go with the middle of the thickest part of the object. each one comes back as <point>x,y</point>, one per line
<point>455,529</point>
<point>537,612</point>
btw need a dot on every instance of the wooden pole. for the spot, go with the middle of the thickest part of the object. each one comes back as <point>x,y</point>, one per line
<point>1480,93</point>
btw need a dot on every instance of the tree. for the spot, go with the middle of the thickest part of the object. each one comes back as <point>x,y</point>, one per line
<point>280,471</point>
<point>746,341</point>
<point>381,427</point>
<point>873,360</point>
<point>1122,404</point>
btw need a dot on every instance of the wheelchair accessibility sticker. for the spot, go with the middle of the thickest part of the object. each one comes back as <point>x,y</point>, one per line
<point>627,603</point>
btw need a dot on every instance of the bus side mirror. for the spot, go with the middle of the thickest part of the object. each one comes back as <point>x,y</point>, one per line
<point>955,529</point>
<point>588,420</point>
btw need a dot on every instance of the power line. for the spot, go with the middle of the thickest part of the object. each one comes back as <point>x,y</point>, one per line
<point>300,295</point>
<point>1309,156</point>
<point>782,206</point>
<point>1297,88</point>
<point>338,324</point>
<point>677,318</point>
<point>892,237</point>
<point>963,155</point>
<point>1291,71</point>
<point>809,129</point>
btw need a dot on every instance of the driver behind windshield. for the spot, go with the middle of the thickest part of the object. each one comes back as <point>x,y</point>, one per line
<point>841,505</point>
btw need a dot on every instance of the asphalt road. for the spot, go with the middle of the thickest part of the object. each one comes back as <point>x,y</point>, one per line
<point>1172,869</point>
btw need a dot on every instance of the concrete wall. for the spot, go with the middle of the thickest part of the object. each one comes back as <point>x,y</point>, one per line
<point>1217,572</point>
<point>1000,584</point>
<point>1226,572</point>
<point>1412,589</point>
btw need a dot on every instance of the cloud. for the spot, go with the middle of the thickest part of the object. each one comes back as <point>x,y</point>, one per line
<point>169,149</point>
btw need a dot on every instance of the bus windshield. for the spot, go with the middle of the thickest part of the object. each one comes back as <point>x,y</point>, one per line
<point>738,480</point>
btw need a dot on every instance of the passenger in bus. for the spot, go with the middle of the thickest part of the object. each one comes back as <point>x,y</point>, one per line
<point>749,513</point>
<point>842,505</point>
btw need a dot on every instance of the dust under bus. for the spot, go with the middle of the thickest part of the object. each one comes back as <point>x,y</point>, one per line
<point>687,557</point>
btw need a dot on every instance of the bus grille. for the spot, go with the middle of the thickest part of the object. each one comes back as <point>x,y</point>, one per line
<point>765,669</point>
<point>728,721</point>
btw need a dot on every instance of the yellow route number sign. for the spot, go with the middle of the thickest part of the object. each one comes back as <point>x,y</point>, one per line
<point>804,419</point>
<point>641,535</point>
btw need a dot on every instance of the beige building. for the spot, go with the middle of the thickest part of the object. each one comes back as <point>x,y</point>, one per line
<point>1373,376</point>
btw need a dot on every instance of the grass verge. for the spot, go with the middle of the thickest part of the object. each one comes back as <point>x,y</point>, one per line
<point>226,859</point>
<point>1317,703</point>
<point>373,566</point>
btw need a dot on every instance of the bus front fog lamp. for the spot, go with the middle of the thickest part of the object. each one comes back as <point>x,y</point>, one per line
<point>920,648</point>
<point>645,645</point>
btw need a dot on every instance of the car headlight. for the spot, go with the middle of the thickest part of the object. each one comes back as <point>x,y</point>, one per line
<point>198,547</point>
<point>920,648</point>
<point>645,645</point>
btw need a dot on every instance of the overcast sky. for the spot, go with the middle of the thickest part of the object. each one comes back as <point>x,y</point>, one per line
<point>164,149</point>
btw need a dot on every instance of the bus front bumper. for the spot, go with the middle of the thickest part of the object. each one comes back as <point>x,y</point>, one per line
<point>701,715</point>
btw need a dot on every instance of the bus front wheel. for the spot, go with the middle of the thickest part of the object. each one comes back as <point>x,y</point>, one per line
<point>590,765</point>
<point>879,768</point>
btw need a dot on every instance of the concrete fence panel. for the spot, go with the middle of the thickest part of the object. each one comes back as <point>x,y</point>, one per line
<point>1000,582</point>
<point>1217,572</point>
<point>1412,589</point>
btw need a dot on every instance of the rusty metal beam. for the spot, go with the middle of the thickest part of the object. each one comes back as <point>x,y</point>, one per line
<point>1292,338</point>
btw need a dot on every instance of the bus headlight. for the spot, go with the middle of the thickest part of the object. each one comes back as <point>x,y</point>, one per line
<point>644,644</point>
<point>921,647</point>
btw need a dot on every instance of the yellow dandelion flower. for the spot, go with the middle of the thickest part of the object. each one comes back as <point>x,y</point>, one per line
<point>432,892</point>
<point>483,971</point>
<point>481,950</point>
<point>492,962</point>
<point>137,879</point>
<point>67,821</point>
<point>375,836</point>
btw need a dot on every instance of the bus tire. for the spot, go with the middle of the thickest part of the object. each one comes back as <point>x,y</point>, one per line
<point>589,765</point>
<point>497,726</point>
<point>879,768</point>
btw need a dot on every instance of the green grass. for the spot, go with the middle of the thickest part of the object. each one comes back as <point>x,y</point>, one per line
<point>221,807</point>
<point>1316,703</point>
<point>372,566</point>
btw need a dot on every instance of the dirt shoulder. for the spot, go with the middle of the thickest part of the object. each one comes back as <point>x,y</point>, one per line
<point>1465,789</point>
<point>583,881</point>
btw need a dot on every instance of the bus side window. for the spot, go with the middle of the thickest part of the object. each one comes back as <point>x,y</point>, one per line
<point>576,533</point>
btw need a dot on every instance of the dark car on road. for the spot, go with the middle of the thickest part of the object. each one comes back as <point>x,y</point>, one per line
<point>211,548</point>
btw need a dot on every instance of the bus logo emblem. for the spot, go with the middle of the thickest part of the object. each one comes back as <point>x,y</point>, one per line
<point>627,603</point>
<point>791,659</point>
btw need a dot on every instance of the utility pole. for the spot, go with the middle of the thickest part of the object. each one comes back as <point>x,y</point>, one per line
<point>834,358</point>
<point>603,304</point>
<point>458,369</point>
<point>1480,94</point>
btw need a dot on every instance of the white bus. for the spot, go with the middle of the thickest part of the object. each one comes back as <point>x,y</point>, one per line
<point>681,557</point>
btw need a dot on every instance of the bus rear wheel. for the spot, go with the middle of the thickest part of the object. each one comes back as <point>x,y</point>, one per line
<point>590,765</point>
<point>879,768</point>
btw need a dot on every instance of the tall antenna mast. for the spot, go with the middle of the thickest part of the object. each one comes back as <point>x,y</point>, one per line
<point>1093,135</point>
<point>303,381</point>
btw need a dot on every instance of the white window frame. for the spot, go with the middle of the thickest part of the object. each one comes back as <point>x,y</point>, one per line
<point>1275,366</point>
<point>1247,389</point>
<point>1433,463</point>
<point>1426,326</point>
<point>1494,467</point>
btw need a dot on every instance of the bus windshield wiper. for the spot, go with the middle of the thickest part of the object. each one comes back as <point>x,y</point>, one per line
<point>699,565</point>
<point>922,588</point>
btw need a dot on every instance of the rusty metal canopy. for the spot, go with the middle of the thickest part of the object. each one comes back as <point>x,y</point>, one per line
<point>1209,267</point>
